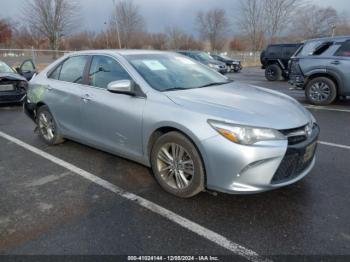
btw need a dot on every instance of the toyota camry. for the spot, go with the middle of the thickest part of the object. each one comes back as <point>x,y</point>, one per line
<point>194,127</point>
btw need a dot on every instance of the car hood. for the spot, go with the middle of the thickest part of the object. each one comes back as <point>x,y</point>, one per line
<point>244,104</point>
<point>214,62</point>
<point>11,76</point>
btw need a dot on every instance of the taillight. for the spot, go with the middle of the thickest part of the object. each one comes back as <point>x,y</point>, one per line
<point>294,67</point>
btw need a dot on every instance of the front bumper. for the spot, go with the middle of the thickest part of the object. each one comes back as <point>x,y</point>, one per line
<point>234,67</point>
<point>237,169</point>
<point>29,109</point>
<point>17,96</point>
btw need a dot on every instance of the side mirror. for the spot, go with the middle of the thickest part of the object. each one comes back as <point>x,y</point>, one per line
<point>122,87</point>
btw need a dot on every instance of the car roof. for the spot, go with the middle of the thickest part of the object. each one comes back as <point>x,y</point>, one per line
<point>122,52</point>
<point>341,38</point>
<point>288,44</point>
<point>190,51</point>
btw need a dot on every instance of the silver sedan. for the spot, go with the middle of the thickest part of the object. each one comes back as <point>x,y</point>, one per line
<point>195,128</point>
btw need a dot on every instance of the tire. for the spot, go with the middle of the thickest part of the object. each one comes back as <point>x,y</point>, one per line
<point>273,73</point>
<point>47,126</point>
<point>321,91</point>
<point>170,178</point>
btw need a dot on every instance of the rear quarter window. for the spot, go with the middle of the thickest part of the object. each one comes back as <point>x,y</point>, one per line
<point>344,50</point>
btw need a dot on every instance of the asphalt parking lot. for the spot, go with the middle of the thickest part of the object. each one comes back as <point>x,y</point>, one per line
<point>51,207</point>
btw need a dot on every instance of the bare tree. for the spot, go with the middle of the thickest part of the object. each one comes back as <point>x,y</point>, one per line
<point>213,25</point>
<point>251,21</point>
<point>158,41</point>
<point>126,22</point>
<point>315,21</point>
<point>51,18</point>
<point>278,14</point>
<point>175,37</point>
<point>180,40</point>
<point>6,32</point>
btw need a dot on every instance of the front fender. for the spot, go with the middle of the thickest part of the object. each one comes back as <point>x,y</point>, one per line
<point>176,126</point>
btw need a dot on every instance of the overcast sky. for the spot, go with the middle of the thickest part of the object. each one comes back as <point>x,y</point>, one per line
<point>157,13</point>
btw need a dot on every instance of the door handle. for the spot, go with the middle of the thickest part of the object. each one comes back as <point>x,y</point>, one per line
<point>335,62</point>
<point>86,98</point>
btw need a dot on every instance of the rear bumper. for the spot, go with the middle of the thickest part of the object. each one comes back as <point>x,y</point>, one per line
<point>297,80</point>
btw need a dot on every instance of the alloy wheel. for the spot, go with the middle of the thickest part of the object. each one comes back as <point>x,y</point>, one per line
<point>320,92</point>
<point>175,166</point>
<point>46,126</point>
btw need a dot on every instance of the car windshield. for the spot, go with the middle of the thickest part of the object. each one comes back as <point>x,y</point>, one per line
<point>4,68</point>
<point>204,56</point>
<point>166,72</point>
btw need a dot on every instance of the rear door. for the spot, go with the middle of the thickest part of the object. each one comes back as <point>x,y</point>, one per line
<point>341,62</point>
<point>111,121</point>
<point>64,94</point>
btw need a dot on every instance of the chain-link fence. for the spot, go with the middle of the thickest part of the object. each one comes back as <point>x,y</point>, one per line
<point>248,59</point>
<point>41,58</point>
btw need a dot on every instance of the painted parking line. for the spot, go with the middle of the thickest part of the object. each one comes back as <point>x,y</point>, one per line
<point>326,108</point>
<point>334,145</point>
<point>181,221</point>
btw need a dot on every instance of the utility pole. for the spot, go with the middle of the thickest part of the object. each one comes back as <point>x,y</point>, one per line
<point>333,29</point>
<point>107,34</point>
<point>116,23</point>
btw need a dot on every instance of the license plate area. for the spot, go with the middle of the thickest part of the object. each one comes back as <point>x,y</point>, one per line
<point>309,152</point>
<point>6,88</point>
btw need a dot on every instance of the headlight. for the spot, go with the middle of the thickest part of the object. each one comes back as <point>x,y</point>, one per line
<point>313,120</point>
<point>213,66</point>
<point>245,135</point>
<point>23,84</point>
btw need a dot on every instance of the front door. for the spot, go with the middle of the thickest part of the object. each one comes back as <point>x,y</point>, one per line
<point>112,121</point>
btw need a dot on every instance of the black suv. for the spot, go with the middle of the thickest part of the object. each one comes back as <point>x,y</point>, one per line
<point>322,68</point>
<point>275,58</point>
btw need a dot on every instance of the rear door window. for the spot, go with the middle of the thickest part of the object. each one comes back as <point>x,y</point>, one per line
<point>344,50</point>
<point>73,69</point>
<point>289,51</point>
<point>315,48</point>
<point>274,51</point>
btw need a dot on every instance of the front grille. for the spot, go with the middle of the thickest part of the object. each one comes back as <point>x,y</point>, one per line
<point>294,163</point>
<point>295,135</point>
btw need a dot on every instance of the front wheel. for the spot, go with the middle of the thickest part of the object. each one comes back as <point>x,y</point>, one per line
<point>321,91</point>
<point>47,127</point>
<point>177,165</point>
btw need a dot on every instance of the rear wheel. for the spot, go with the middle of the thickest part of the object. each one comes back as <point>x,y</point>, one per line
<point>321,91</point>
<point>47,126</point>
<point>177,165</point>
<point>273,73</point>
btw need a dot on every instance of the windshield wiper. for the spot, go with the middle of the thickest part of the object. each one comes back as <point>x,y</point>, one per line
<point>175,89</point>
<point>216,84</point>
